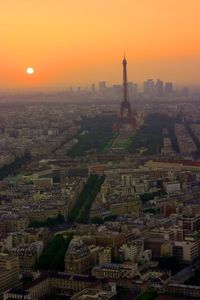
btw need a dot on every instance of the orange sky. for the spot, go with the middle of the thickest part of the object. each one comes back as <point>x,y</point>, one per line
<point>77,42</point>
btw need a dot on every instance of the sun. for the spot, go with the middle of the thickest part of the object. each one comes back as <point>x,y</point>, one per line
<point>30,71</point>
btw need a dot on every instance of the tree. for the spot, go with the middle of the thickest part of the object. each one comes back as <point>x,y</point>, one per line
<point>49,222</point>
<point>110,218</point>
<point>97,220</point>
<point>53,255</point>
<point>195,279</point>
<point>81,210</point>
<point>14,167</point>
<point>171,263</point>
<point>99,134</point>
<point>150,294</point>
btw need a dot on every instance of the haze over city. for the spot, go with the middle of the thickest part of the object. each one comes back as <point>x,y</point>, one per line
<point>80,42</point>
<point>99,150</point>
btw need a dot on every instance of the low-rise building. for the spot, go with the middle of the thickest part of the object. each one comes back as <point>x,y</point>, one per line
<point>105,256</point>
<point>9,272</point>
<point>77,257</point>
<point>187,251</point>
<point>27,254</point>
<point>115,271</point>
<point>92,294</point>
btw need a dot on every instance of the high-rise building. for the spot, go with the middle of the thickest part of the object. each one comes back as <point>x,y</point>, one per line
<point>132,89</point>
<point>184,92</point>
<point>149,87</point>
<point>169,88</point>
<point>102,87</point>
<point>93,88</point>
<point>117,91</point>
<point>159,88</point>
<point>135,89</point>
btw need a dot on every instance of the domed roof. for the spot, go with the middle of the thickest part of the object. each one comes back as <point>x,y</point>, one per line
<point>77,249</point>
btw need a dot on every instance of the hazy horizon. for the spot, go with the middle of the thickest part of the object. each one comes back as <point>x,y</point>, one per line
<point>66,88</point>
<point>71,43</point>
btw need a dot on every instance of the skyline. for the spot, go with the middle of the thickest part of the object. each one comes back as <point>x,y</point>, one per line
<point>96,85</point>
<point>80,43</point>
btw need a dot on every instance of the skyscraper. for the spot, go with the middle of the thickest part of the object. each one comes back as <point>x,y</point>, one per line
<point>159,88</point>
<point>93,88</point>
<point>149,88</point>
<point>135,89</point>
<point>117,91</point>
<point>169,88</point>
<point>102,87</point>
